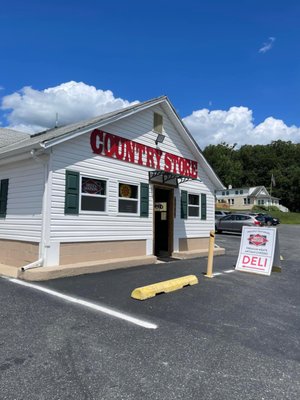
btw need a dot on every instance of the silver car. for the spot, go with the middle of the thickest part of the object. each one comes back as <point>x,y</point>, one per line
<point>235,222</point>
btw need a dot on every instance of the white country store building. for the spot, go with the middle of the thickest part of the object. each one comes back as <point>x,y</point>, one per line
<point>119,189</point>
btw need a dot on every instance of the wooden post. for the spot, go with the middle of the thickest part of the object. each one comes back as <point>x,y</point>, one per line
<point>209,273</point>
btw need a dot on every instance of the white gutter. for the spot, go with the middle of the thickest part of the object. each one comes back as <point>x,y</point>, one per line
<point>39,263</point>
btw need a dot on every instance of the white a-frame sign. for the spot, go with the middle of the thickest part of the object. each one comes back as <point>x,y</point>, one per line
<point>259,250</point>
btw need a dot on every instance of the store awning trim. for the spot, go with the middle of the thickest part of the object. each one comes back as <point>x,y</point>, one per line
<point>168,176</point>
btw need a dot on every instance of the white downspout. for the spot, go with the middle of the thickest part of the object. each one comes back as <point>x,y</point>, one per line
<point>34,264</point>
<point>41,260</point>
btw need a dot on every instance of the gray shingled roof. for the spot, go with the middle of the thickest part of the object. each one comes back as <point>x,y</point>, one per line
<point>256,190</point>
<point>9,137</point>
<point>37,138</point>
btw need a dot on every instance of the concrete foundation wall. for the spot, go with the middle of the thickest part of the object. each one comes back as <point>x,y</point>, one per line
<point>17,253</point>
<point>96,251</point>
<point>191,244</point>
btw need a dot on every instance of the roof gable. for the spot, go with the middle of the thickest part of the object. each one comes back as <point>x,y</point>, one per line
<point>258,191</point>
<point>55,136</point>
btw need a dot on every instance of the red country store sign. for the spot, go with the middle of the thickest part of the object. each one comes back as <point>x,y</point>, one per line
<point>119,148</point>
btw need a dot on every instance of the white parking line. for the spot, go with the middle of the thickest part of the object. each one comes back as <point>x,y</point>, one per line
<point>228,271</point>
<point>87,304</point>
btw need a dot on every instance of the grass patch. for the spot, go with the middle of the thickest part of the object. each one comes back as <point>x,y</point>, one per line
<point>286,218</point>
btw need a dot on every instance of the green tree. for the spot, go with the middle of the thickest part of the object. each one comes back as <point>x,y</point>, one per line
<point>254,165</point>
<point>223,159</point>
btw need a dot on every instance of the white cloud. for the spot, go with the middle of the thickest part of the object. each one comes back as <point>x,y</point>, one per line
<point>267,45</point>
<point>32,110</point>
<point>236,126</point>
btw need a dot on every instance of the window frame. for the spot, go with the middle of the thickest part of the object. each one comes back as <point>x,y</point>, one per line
<point>137,199</point>
<point>194,206</point>
<point>81,176</point>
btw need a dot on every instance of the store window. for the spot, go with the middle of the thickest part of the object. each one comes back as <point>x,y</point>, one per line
<point>93,194</point>
<point>128,198</point>
<point>193,205</point>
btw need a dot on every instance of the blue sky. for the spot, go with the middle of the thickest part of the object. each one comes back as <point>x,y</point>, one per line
<point>235,64</point>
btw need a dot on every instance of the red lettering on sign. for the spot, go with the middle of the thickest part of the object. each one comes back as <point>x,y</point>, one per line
<point>255,261</point>
<point>150,156</point>
<point>129,151</point>
<point>246,260</point>
<point>109,145</point>
<point>97,141</point>
<point>158,154</point>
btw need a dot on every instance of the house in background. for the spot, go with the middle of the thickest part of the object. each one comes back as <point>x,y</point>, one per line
<point>246,198</point>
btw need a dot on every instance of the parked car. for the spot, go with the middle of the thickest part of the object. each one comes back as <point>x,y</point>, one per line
<point>269,220</point>
<point>219,214</point>
<point>235,222</point>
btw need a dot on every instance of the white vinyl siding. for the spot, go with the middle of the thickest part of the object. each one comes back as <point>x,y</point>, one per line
<point>77,155</point>
<point>24,201</point>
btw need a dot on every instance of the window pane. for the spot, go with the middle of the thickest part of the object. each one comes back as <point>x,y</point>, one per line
<point>193,212</point>
<point>93,186</point>
<point>90,203</point>
<point>128,191</point>
<point>194,199</point>
<point>128,206</point>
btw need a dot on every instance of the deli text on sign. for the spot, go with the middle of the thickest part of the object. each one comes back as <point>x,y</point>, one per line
<point>117,147</point>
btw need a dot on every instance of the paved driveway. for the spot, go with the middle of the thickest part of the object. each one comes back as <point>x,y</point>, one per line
<point>232,337</point>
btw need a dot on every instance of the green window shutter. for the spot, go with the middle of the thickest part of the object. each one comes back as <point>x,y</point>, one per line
<point>184,205</point>
<point>144,197</point>
<point>3,197</point>
<point>72,193</point>
<point>203,206</point>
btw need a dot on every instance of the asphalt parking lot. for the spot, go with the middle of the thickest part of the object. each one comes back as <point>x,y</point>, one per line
<point>235,336</point>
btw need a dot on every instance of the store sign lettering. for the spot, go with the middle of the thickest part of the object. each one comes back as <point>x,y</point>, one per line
<point>117,147</point>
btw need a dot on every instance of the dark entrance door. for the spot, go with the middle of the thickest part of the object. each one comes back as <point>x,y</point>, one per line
<point>163,222</point>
